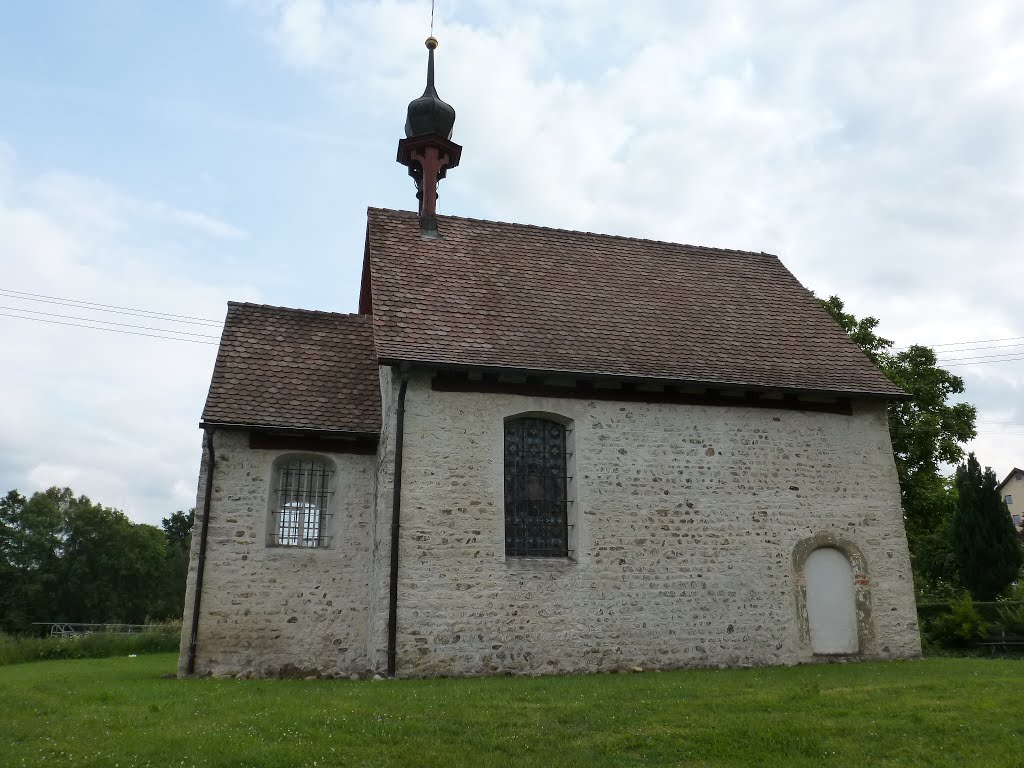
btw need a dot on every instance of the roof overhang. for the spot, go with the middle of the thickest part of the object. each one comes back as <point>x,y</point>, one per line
<point>336,434</point>
<point>635,379</point>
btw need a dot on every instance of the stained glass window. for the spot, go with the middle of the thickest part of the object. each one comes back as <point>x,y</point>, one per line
<point>303,496</point>
<point>536,485</point>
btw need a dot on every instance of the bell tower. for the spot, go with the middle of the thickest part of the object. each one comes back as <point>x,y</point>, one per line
<point>427,149</point>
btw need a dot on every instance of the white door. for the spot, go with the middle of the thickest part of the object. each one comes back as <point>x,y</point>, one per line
<point>831,610</point>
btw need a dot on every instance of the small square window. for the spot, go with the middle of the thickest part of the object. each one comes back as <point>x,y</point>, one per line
<point>1008,499</point>
<point>301,508</point>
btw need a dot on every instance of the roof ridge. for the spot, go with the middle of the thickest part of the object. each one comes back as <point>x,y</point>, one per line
<point>1009,477</point>
<point>441,218</point>
<point>278,308</point>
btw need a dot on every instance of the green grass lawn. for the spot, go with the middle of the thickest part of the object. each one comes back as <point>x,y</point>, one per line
<point>107,712</point>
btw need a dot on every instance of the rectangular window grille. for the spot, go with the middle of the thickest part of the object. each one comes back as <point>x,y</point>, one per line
<point>536,484</point>
<point>303,499</point>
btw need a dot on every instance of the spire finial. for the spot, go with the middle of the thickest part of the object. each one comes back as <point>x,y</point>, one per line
<point>428,114</point>
<point>431,44</point>
<point>427,150</point>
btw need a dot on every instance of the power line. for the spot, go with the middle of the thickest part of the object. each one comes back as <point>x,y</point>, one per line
<point>956,364</point>
<point>1013,347</point>
<point>940,362</point>
<point>961,343</point>
<point>1013,356</point>
<point>942,352</point>
<point>111,330</point>
<point>978,341</point>
<point>170,317</point>
<point>105,322</point>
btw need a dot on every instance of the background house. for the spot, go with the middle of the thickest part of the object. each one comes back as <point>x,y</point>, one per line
<point>1012,491</point>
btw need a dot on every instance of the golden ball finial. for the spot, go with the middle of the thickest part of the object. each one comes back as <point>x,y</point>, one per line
<point>431,42</point>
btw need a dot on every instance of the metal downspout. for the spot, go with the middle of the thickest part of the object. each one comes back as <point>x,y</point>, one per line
<point>201,565</point>
<point>396,516</point>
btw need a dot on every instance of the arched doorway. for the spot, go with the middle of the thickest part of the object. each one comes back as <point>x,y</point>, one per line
<point>831,602</point>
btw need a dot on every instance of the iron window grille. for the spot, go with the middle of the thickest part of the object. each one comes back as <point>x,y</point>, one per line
<point>303,502</point>
<point>536,488</point>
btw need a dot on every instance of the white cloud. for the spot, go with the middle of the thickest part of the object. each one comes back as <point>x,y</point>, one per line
<point>201,222</point>
<point>874,147</point>
<point>340,38</point>
<point>111,415</point>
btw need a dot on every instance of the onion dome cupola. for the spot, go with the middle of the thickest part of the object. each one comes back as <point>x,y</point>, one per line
<point>427,149</point>
<point>428,114</point>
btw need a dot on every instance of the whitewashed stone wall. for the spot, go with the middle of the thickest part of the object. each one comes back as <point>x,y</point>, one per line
<point>272,611</point>
<point>690,524</point>
<point>686,521</point>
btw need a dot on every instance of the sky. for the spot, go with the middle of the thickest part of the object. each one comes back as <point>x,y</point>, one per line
<point>160,159</point>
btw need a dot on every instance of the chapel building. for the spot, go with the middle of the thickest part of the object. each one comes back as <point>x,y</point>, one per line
<point>533,451</point>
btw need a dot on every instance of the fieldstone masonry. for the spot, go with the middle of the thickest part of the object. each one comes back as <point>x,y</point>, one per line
<point>685,524</point>
<point>280,611</point>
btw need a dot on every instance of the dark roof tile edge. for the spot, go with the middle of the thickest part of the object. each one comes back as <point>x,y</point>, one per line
<point>206,423</point>
<point>276,308</point>
<point>636,377</point>
<point>559,230</point>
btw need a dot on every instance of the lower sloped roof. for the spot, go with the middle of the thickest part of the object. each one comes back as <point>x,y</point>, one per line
<point>499,295</point>
<point>295,369</point>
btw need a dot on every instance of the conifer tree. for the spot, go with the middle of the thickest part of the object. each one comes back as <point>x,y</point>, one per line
<point>987,551</point>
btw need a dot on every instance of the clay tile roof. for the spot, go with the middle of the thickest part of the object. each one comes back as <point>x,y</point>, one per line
<point>530,298</point>
<point>293,368</point>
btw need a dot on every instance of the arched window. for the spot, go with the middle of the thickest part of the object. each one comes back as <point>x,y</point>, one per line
<point>536,487</point>
<point>300,504</point>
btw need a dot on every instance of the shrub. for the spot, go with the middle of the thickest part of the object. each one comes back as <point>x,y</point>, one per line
<point>157,638</point>
<point>960,627</point>
<point>1011,618</point>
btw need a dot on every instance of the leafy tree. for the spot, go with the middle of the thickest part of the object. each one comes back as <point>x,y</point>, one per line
<point>178,539</point>
<point>30,537</point>
<point>927,432</point>
<point>113,570</point>
<point>987,551</point>
<point>11,507</point>
<point>178,528</point>
<point>934,558</point>
<point>861,331</point>
<point>66,558</point>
